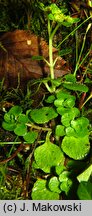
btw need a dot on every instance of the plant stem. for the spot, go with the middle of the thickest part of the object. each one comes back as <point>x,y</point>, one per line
<point>38,127</point>
<point>55,30</point>
<point>77,43</point>
<point>16,143</point>
<point>71,33</point>
<point>50,51</point>
<point>46,62</point>
<point>51,58</point>
<point>84,57</point>
<point>78,64</point>
<point>90,96</point>
<point>48,87</point>
<point>12,143</point>
<point>51,35</point>
<point>85,72</point>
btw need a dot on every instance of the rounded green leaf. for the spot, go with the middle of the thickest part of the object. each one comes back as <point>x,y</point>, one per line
<point>21,129</point>
<point>50,17</point>
<point>58,102</point>
<point>9,118</point>
<point>50,99</point>
<point>69,116</point>
<point>16,110</point>
<point>43,115</point>
<point>9,126</point>
<point>59,169</point>
<point>76,148</point>
<point>48,156</point>
<point>70,78</point>
<point>62,110</point>
<point>84,191</point>
<point>80,126</point>
<point>71,132</point>
<point>64,176</point>
<point>82,121</point>
<point>66,119</point>
<point>41,192</point>
<point>60,130</point>
<point>54,185</point>
<point>77,131</point>
<point>62,94</point>
<point>30,137</point>
<point>23,118</point>
<point>69,102</point>
<point>64,99</point>
<point>66,186</point>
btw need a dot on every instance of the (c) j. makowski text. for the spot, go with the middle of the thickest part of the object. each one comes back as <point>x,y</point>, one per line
<point>49,207</point>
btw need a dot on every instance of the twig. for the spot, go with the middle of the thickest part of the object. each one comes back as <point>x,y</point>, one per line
<point>14,155</point>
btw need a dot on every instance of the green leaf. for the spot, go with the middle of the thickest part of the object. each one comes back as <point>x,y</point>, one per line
<point>63,110</point>
<point>21,129</point>
<point>65,52</point>
<point>48,156</point>
<point>54,185</point>
<point>75,20</point>
<point>71,132</point>
<point>84,191</point>
<point>75,111</point>
<point>41,192</point>
<point>30,137</point>
<point>16,110</point>
<point>56,82</point>
<point>85,175</point>
<point>9,126</point>
<point>9,118</point>
<point>76,148</point>
<point>64,176</point>
<point>69,21</point>
<point>80,126</point>
<point>12,115</point>
<point>82,121</point>
<point>58,102</point>
<point>59,17</point>
<point>43,115</point>
<point>50,99</point>
<point>67,24</point>
<point>64,99</point>
<point>37,58</point>
<point>66,186</point>
<point>59,169</point>
<point>76,87</point>
<point>23,118</point>
<point>70,78</point>
<point>60,130</point>
<point>41,6</point>
<point>62,94</point>
<point>54,9</point>
<point>50,16</point>
<point>69,102</point>
<point>68,116</point>
<point>66,119</point>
